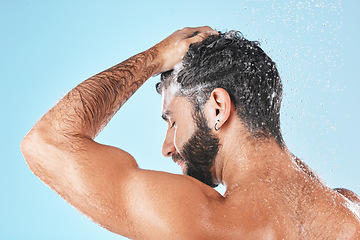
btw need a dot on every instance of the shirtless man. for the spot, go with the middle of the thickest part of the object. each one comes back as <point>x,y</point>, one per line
<point>221,103</point>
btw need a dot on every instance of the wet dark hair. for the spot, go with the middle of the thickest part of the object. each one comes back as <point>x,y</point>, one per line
<point>243,69</point>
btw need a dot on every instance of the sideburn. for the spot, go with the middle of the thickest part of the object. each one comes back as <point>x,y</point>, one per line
<point>200,150</point>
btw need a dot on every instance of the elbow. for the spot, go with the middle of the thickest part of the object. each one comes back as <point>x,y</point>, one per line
<point>28,147</point>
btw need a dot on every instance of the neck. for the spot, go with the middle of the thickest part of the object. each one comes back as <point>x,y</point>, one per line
<point>242,160</point>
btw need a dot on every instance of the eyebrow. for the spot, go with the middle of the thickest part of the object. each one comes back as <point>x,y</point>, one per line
<point>165,115</point>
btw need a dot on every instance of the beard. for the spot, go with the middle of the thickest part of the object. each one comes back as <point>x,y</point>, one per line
<point>199,152</point>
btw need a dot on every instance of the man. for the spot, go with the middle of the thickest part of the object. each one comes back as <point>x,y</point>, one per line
<point>221,102</point>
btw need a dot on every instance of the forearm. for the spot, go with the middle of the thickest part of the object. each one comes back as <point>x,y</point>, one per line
<point>86,109</point>
<point>60,150</point>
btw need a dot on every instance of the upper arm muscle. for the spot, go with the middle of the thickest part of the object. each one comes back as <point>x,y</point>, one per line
<point>163,205</point>
<point>106,184</point>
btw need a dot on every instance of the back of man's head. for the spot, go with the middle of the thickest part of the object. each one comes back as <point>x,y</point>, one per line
<point>239,66</point>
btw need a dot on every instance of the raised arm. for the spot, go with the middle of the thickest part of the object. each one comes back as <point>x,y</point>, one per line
<point>104,182</point>
<point>85,110</point>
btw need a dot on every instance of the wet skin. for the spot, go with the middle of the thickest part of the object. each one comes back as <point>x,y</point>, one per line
<point>270,194</point>
<point>269,191</point>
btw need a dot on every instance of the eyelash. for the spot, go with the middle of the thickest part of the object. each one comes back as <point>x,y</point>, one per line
<point>172,125</point>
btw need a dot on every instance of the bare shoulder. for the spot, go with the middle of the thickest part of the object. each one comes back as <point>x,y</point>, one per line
<point>348,194</point>
<point>173,186</point>
<point>169,206</point>
<point>310,211</point>
<point>326,213</point>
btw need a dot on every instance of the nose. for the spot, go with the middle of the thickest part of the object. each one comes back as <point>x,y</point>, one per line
<point>168,148</point>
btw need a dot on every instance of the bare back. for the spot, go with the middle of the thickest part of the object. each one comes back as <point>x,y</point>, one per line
<point>268,195</point>
<point>297,208</point>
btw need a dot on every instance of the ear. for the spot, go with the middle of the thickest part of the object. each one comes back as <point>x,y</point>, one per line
<point>219,107</point>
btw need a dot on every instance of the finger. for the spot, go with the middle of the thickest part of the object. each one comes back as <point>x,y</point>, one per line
<point>199,37</point>
<point>190,32</point>
<point>207,33</point>
<point>203,29</point>
<point>195,33</point>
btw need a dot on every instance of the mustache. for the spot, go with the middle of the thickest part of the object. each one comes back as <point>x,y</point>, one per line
<point>176,157</point>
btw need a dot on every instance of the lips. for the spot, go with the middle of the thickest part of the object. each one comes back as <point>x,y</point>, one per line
<point>179,161</point>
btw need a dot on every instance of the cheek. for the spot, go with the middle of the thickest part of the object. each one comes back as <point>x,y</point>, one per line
<point>176,140</point>
<point>182,134</point>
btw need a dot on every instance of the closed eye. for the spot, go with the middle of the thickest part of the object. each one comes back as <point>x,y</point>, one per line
<point>172,125</point>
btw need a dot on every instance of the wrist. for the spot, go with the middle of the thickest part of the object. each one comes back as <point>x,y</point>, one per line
<point>155,61</point>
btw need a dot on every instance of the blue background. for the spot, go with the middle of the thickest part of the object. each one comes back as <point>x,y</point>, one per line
<point>48,47</point>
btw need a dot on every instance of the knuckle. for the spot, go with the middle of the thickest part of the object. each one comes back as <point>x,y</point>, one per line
<point>206,28</point>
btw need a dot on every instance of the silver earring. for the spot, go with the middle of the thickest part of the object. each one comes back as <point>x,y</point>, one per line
<point>216,128</point>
